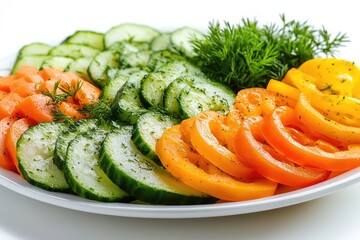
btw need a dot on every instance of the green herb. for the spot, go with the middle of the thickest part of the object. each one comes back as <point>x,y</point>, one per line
<point>59,94</point>
<point>100,110</point>
<point>249,55</point>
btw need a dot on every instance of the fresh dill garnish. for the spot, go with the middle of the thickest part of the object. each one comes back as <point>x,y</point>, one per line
<point>100,110</point>
<point>249,55</point>
<point>58,94</point>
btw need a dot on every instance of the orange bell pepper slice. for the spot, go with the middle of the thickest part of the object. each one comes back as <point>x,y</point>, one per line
<point>318,155</point>
<point>175,155</point>
<point>205,142</point>
<point>251,147</point>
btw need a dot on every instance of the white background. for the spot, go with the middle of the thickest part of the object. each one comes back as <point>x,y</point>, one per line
<point>336,216</point>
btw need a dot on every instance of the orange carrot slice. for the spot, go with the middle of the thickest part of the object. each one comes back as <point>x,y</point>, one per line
<point>71,110</point>
<point>50,73</point>
<point>3,94</point>
<point>15,131</point>
<point>37,107</point>
<point>5,158</point>
<point>8,105</point>
<point>5,82</point>
<point>88,93</point>
<point>26,70</point>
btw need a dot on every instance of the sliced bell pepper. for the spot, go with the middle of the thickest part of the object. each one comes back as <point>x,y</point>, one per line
<point>274,129</point>
<point>251,147</point>
<point>174,154</point>
<point>205,142</point>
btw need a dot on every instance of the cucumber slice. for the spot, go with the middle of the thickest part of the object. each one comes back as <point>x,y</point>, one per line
<point>148,129</point>
<point>56,62</point>
<point>66,136</point>
<point>127,31</point>
<point>101,64</point>
<point>83,173</point>
<point>79,67</point>
<point>88,38</point>
<point>182,38</point>
<point>154,85</point>
<point>139,176</point>
<point>35,151</point>
<point>201,96</point>
<point>136,59</point>
<point>159,58</point>
<point>74,51</point>
<point>127,106</point>
<point>161,42</point>
<point>36,48</point>
<point>127,47</point>
<point>172,92</point>
<point>115,82</point>
<point>32,60</point>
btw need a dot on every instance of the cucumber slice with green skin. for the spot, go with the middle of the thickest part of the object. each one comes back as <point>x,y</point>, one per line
<point>148,129</point>
<point>182,38</point>
<point>83,173</point>
<point>88,38</point>
<point>101,64</point>
<point>136,59</point>
<point>36,48</point>
<point>128,31</point>
<point>161,42</point>
<point>172,92</point>
<point>32,60</point>
<point>159,58</point>
<point>56,62</point>
<point>115,82</point>
<point>74,51</point>
<point>126,47</point>
<point>79,67</point>
<point>154,85</point>
<point>35,151</point>
<point>66,136</point>
<point>140,177</point>
<point>127,106</point>
<point>201,96</point>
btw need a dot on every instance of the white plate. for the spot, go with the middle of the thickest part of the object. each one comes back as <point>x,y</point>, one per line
<point>15,183</point>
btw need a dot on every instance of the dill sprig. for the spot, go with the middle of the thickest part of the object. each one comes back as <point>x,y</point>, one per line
<point>58,94</point>
<point>249,55</point>
<point>100,110</point>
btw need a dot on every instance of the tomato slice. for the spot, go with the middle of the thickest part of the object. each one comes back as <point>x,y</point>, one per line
<point>321,155</point>
<point>205,142</point>
<point>177,157</point>
<point>251,147</point>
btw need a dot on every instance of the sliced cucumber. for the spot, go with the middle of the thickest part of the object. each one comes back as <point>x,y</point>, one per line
<point>127,31</point>
<point>159,58</point>
<point>35,151</point>
<point>88,38</point>
<point>172,92</point>
<point>56,62</point>
<point>126,47</point>
<point>116,81</point>
<point>101,64</point>
<point>139,176</point>
<point>201,96</point>
<point>36,48</point>
<point>161,42</point>
<point>127,106</point>
<point>136,59</point>
<point>182,38</point>
<point>80,66</point>
<point>148,129</point>
<point>74,51</point>
<point>83,173</point>
<point>154,85</point>
<point>32,60</point>
<point>66,136</point>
